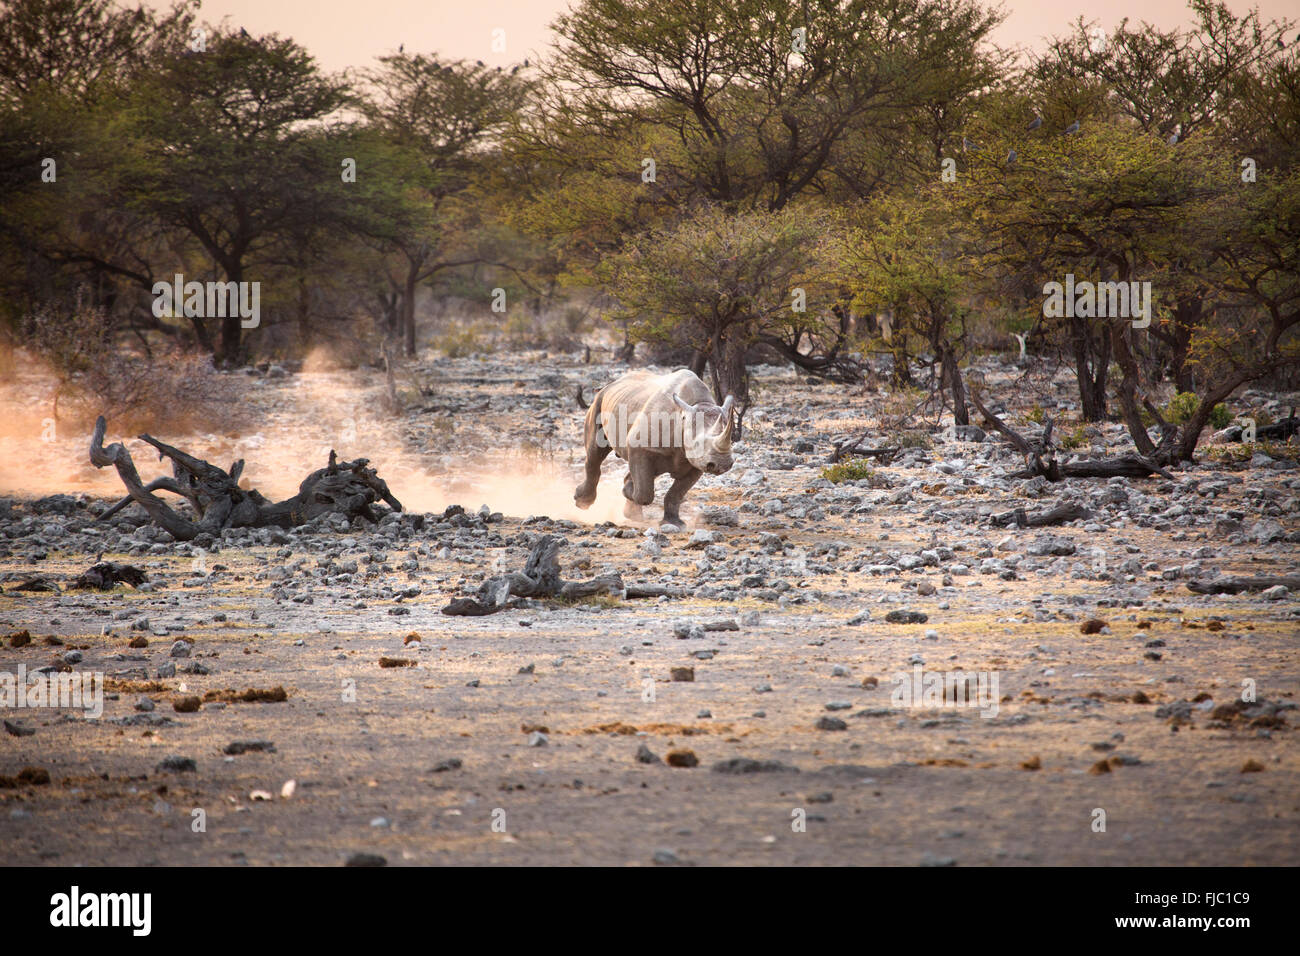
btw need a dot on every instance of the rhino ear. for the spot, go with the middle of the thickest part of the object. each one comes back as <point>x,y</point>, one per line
<point>684,406</point>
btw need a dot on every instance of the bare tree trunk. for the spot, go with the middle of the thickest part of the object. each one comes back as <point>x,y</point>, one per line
<point>952,377</point>
<point>1090,370</point>
<point>408,311</point>
<point>231,345</point>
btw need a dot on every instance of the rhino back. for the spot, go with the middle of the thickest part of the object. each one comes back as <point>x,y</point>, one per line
<point>642,397</point>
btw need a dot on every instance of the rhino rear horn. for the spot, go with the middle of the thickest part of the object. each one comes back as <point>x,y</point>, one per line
<point>684,406</point>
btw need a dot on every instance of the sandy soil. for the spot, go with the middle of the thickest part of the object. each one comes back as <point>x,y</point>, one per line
<point>372,751</point>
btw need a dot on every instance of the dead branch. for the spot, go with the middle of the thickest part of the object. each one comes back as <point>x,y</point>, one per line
<point>1058,515</point>
<point>1040,456</point>
<point>1237,585</point>
<point>347,488</point>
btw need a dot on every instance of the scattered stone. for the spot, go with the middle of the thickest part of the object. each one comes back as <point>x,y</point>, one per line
<point>831,723</point>
<point>237,747</point>
<point>744,765</point>
<point>682,758</point>
<point>645,755</point>
<point>18,730</point>
<point>187,704</point>
<point>686,674</point>
<point>907,617</point>
<point>366,859</point>
<point>176,764</point>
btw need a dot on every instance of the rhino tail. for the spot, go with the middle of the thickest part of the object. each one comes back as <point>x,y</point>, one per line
<point>582,402</point>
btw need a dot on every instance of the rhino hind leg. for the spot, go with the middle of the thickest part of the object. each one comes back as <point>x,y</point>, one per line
<point>639,485</point>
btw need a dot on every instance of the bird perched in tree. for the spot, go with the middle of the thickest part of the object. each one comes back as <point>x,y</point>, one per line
<point>1072,128</point>
<point>968,146</point>
<point>1281,44</point>
<point>514,69</point>
<point>478,63</point>
<point>244,33</point>
<point>1011,157</point>
<point>401,48</point>
<point>1173,138</point>
<point>1034,123</point>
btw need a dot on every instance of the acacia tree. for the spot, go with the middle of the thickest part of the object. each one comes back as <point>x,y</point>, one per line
<point>906,251</point>
<point>1175,85</point>
<point>225,145</point>
<point>439,120</point>
<point>64,67</point>
<point>757,105</point>
<point>718,282</point>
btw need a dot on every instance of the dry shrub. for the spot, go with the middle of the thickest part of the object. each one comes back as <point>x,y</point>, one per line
<point>99,372</point>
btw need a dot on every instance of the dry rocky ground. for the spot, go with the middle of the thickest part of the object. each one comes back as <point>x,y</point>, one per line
<point>539,735</point>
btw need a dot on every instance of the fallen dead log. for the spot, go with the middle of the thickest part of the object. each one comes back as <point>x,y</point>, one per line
<point>1041,519</point>
<point>540,578</point>
<point>348,488</point>
<point>655,590</point>
<point>1125,466</point>
<point>854,449</point>
<point>1281,430</point>
<point>1040,455</point>
<point>107,575</point>
<point>1238,585</point>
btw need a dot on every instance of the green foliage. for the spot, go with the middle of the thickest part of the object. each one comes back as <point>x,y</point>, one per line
<point>460,342</point>
<point>1180,408</point>
<point>1076,438</point>
<point>718,281</point>
<point>1220,417</point>
<point>856,469</point>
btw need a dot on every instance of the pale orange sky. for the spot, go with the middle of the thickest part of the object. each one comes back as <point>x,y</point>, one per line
<point>343,33</point>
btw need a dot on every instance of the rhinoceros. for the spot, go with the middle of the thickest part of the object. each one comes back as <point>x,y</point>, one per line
<point>658,424</point>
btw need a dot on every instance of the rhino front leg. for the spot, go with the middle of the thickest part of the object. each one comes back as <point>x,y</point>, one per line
<point>597,451</point>
<point>673,500</point>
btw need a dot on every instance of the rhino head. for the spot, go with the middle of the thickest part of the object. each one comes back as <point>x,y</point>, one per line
<point>706,434</point>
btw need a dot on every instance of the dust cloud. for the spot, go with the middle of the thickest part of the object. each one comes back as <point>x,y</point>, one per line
<point>285,428</point>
